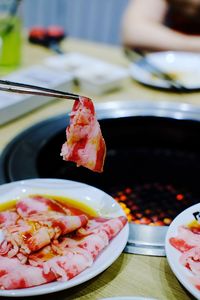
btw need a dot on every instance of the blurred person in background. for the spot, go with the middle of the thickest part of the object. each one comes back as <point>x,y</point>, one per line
<point>162,25</point>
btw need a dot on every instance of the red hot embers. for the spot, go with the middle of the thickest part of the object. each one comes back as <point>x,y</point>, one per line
<point>153,204</point>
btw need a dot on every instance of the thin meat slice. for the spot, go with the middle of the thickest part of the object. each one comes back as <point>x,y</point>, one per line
<point>191,260</point>
<point>69,265</point>
<point>37,204</point>
<point>93,244</point>
<point>92,224</point>
<point>85,144</point>
<point>185,239</point>
<point>77,255</point>
<point>90,245</point>
<point>63,224</point>
<point>8,218</point>
<point>41,256</point>
<point>110,226</point>
<point>180,244</point>
<point>36,232</point>
<point>14,275</point>
<point>57,227</point>
<point>105,228</point>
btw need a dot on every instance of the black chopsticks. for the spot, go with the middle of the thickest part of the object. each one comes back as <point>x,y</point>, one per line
<point>22,88</point>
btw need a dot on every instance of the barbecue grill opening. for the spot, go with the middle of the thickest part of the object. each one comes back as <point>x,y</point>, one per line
<point>151,166</point>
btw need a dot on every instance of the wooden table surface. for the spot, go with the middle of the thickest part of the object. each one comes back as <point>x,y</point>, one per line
<point>129,275</point>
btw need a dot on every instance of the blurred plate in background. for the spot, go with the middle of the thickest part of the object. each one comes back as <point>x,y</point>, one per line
<point>181,66</point>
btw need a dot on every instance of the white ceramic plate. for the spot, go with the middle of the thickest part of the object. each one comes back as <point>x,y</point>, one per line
<point>184,66</point>
<point>101,202</point>
<point>173,255</point>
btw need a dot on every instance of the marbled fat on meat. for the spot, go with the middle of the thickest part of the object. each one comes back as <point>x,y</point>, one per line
<point>35,233</point>
<point>85,144</point>
<point>14,275</point>
<point>191,260</point>
<point>37,204</point>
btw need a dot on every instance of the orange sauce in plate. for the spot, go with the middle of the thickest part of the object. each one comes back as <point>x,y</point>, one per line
<point>76,207</point>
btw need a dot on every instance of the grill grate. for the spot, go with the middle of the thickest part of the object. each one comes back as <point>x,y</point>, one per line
<point>153,204</point>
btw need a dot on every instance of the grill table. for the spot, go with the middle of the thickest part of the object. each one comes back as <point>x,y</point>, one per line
<point>130,275</point>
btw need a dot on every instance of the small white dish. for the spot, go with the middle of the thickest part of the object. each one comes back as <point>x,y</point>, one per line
<point>183,66</point>
<point>98,200</point>
<point>173,255</point>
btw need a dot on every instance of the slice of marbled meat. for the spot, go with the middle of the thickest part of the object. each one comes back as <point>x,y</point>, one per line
<point>8,218</point>
<point>85,144</point>
<point>37,204</point>
<point>37,231</point>
<point>14,275</point>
